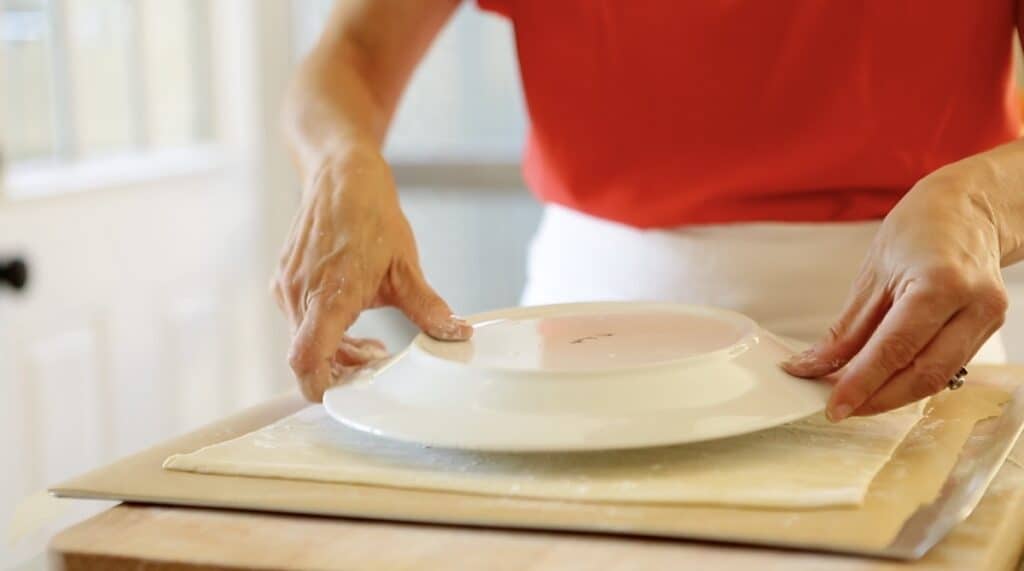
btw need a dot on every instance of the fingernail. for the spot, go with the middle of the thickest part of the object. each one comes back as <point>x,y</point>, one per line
<point>454,329</point>
<point>801,357</point>
<point>839,412</point>
<point>374,353</point>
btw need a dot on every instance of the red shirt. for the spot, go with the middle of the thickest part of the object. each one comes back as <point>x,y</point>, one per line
<point>673,112</point>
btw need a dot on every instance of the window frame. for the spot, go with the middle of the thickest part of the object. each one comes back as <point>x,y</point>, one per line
<point>27,181</point>
<point>67,172</point>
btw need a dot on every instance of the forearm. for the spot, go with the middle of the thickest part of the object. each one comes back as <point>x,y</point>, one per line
<point>330,110</point>
<point>992,185</point>
<point>345,92</point>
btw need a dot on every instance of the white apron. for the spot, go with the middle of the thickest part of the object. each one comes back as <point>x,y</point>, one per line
<point>790,278</point>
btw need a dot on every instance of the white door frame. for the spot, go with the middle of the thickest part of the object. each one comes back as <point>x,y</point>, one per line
<point>264,51</point>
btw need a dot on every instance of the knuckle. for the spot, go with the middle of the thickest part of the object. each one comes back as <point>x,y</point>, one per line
<point>304,361</point>
<point>993,303</point>
<point>997,320</point>
<point>934,296</point>
<point>896,352</point>
<point>311,392</point>
<point>293,287</point>
<point>946,278</point>
<point>928,379</point>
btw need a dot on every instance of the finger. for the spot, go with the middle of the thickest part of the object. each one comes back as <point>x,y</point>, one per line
<point>931,371</point>
<point>311,232</point>
<point>359,352</point>
<point>339,373</point>
<point>296,276</point>
<point>861,315</point>
<point>366,342</point>
<point>299,236</point>
<point>292,293</point>
<point>347,364</point>
<point>284,305</point>
<point>342,373</point>
<point>421,304</point>
<point>329,315</point>
<point>905,330</point>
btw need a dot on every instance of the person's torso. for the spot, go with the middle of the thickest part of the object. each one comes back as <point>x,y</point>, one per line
<point>672,112</point>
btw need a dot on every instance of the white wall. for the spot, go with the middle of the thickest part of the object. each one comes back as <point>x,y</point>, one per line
<point>1013,331</point>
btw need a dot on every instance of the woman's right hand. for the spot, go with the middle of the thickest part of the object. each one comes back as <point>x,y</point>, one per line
<point>350,248</point>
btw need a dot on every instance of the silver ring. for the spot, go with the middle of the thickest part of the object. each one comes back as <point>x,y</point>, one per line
<point>958,379</point>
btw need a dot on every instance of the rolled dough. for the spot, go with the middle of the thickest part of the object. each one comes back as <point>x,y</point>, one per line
<point>806,464</point>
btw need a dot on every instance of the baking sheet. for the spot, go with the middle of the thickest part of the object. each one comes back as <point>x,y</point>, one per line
<point>867,529</point>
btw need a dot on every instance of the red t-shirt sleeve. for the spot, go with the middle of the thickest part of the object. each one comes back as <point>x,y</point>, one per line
<point>1020,20</point>
<point>503,7</point>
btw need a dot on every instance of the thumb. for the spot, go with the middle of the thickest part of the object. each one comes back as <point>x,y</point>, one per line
<point>844,339</point>
<point>421,304</point>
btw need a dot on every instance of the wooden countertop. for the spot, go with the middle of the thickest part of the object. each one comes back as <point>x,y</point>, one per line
<point>133,536</point>
<point>162,538</point>
<point>136,536</point>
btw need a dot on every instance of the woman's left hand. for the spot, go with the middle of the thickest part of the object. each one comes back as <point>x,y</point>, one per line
<point>929,294</point>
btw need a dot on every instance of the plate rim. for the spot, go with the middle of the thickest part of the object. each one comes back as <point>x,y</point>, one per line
<point>334,398</point>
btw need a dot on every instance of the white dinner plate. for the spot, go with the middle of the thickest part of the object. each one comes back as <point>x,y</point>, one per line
<point>585,376</point>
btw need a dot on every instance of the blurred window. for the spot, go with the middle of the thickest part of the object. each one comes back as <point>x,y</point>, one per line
<point>84,79</point>
<point>464,103</point>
